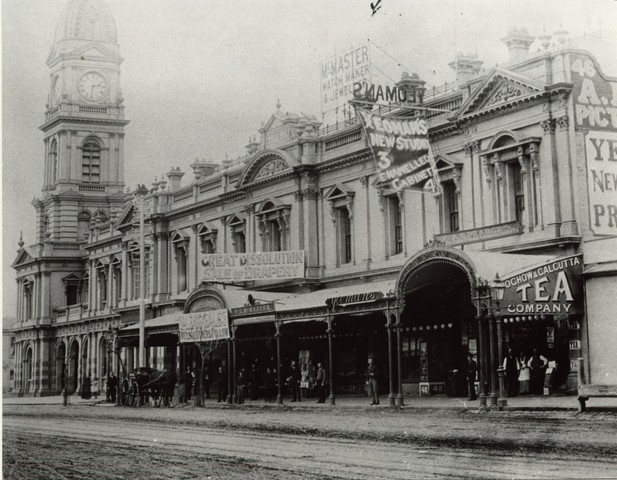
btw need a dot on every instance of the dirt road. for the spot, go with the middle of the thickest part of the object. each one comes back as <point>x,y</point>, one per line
<point>110,443</point>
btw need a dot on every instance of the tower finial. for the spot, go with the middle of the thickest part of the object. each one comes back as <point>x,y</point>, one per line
<point>21,239</point>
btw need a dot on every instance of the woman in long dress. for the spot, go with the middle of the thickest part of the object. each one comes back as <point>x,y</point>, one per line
<point>523,376</point>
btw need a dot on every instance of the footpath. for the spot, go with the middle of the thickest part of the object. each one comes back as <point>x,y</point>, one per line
<point>520,403</point>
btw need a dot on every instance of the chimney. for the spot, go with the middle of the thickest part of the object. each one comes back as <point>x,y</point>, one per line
<point>252,146</point>
<point>413,86</point>
<point>201,168</point>
<point>518,42</point>
<point>467,67</point>
<point>175,178</point>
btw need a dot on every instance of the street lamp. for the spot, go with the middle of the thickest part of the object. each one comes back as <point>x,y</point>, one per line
<point>482,303</point>
<point>498,289</point>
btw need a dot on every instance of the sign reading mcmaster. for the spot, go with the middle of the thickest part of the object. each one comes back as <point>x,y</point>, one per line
<point>552,288</point>
<point>243,267</point>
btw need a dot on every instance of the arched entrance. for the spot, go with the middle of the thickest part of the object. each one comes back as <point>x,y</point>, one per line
<point>437,320</point>
<point>28,372</point>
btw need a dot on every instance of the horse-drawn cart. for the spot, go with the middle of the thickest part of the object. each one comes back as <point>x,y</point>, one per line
<point>143,384</point>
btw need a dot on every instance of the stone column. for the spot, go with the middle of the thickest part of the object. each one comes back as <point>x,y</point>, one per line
<point>392,395</point>
<point>550,179</point>
<point>480,357</point>
<point>493,363</point>
<point>279,374</point>
<point>330,332</point>
<point>399,359</point>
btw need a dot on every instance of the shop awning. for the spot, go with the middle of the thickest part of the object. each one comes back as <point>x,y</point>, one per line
<point>488,264</point>
<point>319,297</point>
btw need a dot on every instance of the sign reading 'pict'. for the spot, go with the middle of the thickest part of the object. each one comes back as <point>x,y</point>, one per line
<point>243,267</point>
<point>550,289</point>
<point>401,150</point>
<point>203,326</point>
<point>595,109</point>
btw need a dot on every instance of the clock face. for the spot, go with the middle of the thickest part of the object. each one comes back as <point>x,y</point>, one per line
<point>56,90</point>
<point>92,86</point>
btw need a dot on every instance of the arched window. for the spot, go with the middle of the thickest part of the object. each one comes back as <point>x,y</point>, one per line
<point>91,162</point>
<point>273,223</point>
<point>53,160</point>
<point>180,241</point>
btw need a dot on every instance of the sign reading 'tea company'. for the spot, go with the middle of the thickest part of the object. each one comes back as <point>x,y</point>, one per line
<point>550,289</point>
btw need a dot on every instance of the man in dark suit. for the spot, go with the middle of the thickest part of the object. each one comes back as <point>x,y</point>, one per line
<point>221,380</point>
<point>372,372</point>
<point>320,383</point>
<point>472,371</point>
<point>293,379</point>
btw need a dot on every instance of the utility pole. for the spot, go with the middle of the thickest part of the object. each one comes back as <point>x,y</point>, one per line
<point>142,285</point>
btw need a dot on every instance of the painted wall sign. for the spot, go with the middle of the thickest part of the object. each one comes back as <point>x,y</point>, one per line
<point>242,267</point>
<point>401,150</point>
<point>491,232</point>
<point>379,93</point>
<point>339,74</point>
<point>252,320</point>
<point>263,307</point>
<point>203,326</point>
<point>353,299</point>
<point>553,288</point>
<point>595,109</point>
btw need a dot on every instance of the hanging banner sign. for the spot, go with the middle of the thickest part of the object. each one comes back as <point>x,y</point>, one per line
<point>595,109</point>
<point>401,150</point>
<point>550,289</point>
<point>203,326</point>
<point>243,267</point>
<point>339,74</point>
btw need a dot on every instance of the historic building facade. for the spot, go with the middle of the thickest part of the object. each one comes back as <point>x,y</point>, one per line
<point>399,276</point>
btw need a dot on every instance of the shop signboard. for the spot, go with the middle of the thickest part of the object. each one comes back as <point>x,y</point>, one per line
<point>491,232</point>
<point>206,326</point>
<point>253,320</point>
<point>345,300</point>
<point>401,151</point>
<point>595,111</point>
<point>550,289</point>
<point>339,74</point>
<point>244,267</point>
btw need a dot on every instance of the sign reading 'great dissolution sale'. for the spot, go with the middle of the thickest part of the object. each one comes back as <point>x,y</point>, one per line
<point>595,109</point>
<point>242,267</point>
<point>203,326</point>
<point>552,288</point>
<point>401,150</point>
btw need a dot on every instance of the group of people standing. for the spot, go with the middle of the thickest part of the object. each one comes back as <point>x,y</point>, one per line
<point>524,375</point>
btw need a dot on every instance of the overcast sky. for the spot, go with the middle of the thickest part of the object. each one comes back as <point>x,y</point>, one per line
<point>200,76</point>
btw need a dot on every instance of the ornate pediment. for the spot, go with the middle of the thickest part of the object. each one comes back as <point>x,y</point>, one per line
<point>267,164</point>
<point>126,217</point>
<point>23,257</point>
<point>499,89</point>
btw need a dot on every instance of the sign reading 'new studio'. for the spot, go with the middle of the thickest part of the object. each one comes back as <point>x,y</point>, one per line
<point>552,288</point>
<point>595,108</point>
<point>401,150</point>
<point>244,267</point>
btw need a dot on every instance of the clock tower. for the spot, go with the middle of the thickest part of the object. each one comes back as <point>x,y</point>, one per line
<point>84,126</point>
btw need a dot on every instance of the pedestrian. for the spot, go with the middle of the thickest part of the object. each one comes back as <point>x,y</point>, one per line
<point>112,385</point>
<point>221,382</point>
<point>254,381</point>
<point>320,383</point>
<point>523,375</point>
<point>512,368</point>
<point>268,385</point>
<point>189,379</point>
<point>293,380</point>
<point>537,367</point>
<point>206,380</point>
<point>371,381</point>
<point>170,385</point>
<point>312,371</point>
<point>86,388</point>
<point>182,388</point>
<point>472,372</point>
<point>304,381</point>
<point>240,386</point>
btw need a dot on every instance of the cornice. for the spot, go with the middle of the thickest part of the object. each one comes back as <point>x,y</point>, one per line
<point>67,118</point>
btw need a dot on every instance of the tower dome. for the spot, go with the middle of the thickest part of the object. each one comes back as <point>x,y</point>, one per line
<point>86,20</point>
